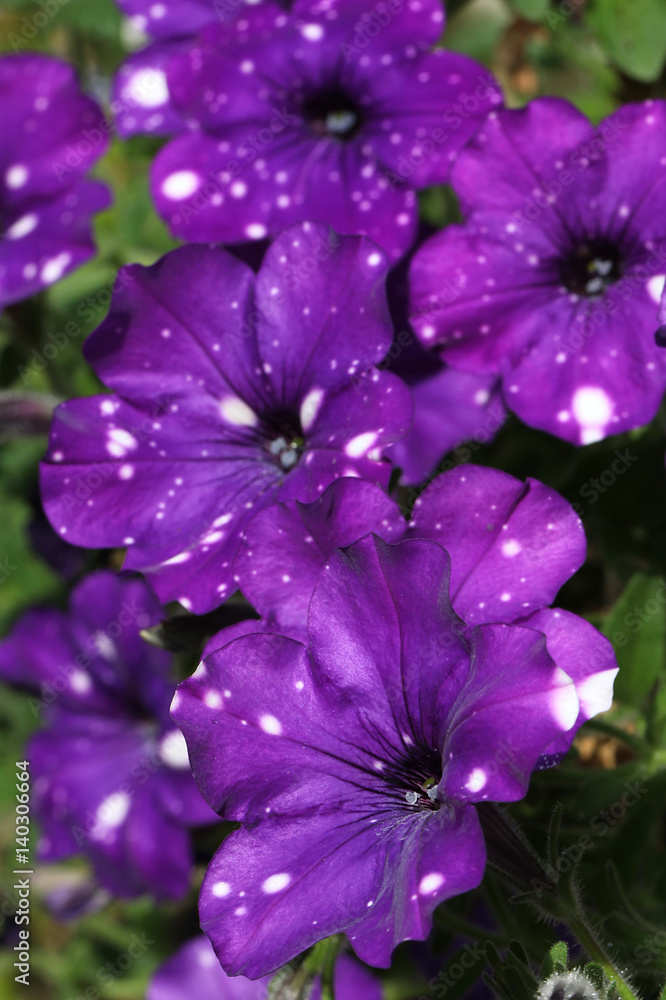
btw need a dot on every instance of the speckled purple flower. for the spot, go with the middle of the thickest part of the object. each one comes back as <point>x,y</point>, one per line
<point>194,971</point>
<point>336,111</point>
<point>512,545</point>
<point>354,764</point>
<point>233,391</point>
<point>559,266</point>
<point>111,775</point>
<point>449,406</point>
<point>140,92</point>
<point>50,138</point>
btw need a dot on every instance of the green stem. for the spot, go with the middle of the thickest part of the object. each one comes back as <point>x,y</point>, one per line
<point>571,913</point>
<point>330,956</point>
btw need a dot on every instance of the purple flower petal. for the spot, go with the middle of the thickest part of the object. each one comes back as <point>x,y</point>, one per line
<point>515,699</point>
<point>111,773</point>
<point>195,971</point>
<point>449,407</point>
<point>559,268</point>
<point>285,547</point>
<point>379,892</point>
<point>352,763</point>
<point>421,148</point>
<point>512,545</point>
<point>171,17</point>
<point>140,96</point>
<point>52,135</point>
<point>333,113</point>
<point>586,656</point>
<point>233,392</point>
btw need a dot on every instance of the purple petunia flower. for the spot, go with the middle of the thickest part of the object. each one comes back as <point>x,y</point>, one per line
<point>50,139</point>
<point>335,111</point>
<point>195,971</point>
<point>512,545</point>
<point>140,94</point>
<point>111,775</point>
<point>559,266</point>
<point>233,391</point>
<point>449,406</point>
<point>354,763</point>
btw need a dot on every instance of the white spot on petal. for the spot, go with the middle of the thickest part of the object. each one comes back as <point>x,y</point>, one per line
<point>111,813</point>
<point>431,883</point>
<point>180,185</point>
<point>54,269</point>
<point>476,780</point>
<point>593,409</point>
<point>270,725</point>
<point>655,287</point>
<point>595,693</point>
<point>16,176</point>
<point>276,883</point>
<point>313,32</point>
<point>26,224</point>
<point>237,412</point>
<point>310,408</point>
<point>147,87</point>
<point>173,750</point>
<point>360,444</point>
<point>564,700</point>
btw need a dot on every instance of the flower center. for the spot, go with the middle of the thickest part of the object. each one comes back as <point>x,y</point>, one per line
<point>333,114</point>
<point>412,777</point>
<point>425,797</point>
<point>283,439</point>
<point>591,268</point>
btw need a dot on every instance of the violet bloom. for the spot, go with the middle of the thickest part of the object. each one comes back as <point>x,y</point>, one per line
<point>336,111</point>
<point>450,407</point>
<point>353,764</point>
<point>194,971</point>
<point>560,266</point>
<point>140,92</point>
<point>512,545</point>
<point>50,139</point>
<point>110,772</point>
<point>233,391</point>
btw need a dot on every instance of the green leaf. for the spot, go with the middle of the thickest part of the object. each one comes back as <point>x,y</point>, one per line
<point>439,206</point>
<point>556,960</point>
<point>533,10</point>
<point>637,629</point>
<point>632,34</point>
<point>24,578</point>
